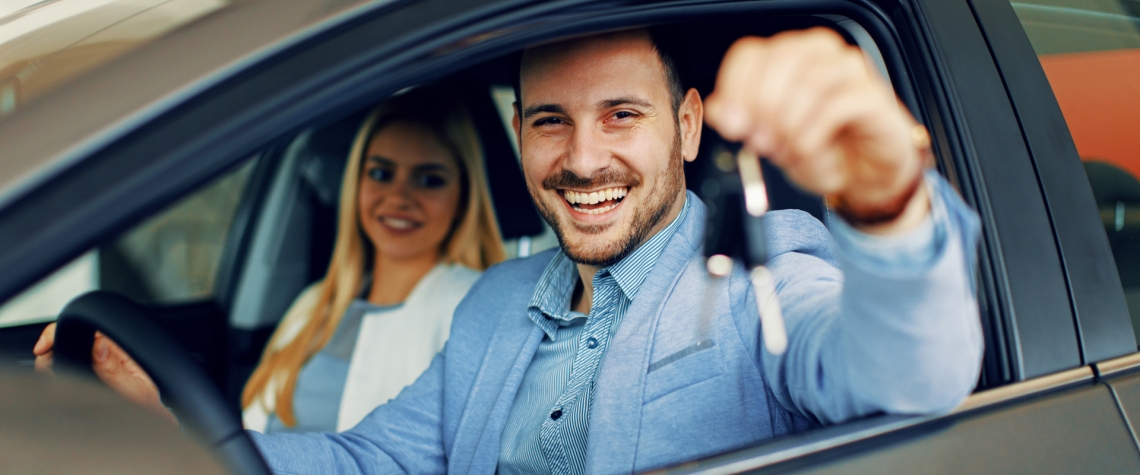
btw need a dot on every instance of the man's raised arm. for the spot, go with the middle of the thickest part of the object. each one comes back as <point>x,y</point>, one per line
<point>897,330</point>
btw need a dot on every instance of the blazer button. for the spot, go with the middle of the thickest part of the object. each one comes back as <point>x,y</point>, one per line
<point>556,414</point>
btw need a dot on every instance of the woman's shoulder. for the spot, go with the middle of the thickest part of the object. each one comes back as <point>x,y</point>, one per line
<point>455,276</point>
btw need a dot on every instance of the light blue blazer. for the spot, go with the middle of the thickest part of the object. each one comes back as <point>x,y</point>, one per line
<point>686,375</point>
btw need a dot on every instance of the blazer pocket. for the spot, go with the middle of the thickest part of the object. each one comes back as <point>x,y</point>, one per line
<point>683,368</point>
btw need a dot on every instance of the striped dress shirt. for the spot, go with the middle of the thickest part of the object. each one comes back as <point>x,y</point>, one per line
<point>549,422</point>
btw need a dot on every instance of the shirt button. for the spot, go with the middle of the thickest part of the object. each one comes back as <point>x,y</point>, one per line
<point>591,342</point>
<point>556,414</point>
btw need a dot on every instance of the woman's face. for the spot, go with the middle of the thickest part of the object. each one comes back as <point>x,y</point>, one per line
<point>409,191</point>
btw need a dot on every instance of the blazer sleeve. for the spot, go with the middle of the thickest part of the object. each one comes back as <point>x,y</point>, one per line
<point>876,335</point>
<point>402,436</point>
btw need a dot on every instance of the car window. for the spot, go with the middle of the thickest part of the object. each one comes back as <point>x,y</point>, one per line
<point>170,258</point>
<point>1090,51</point>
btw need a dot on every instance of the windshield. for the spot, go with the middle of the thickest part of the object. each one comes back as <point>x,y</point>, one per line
<point>44,44</point>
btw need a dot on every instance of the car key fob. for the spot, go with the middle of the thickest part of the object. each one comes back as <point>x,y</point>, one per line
<point>737,199</point>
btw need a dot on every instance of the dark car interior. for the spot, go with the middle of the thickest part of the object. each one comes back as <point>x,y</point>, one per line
<point>282,233</point>
<point>1117,194</point>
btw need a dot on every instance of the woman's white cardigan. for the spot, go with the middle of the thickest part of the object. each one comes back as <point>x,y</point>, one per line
<point>392,348</point>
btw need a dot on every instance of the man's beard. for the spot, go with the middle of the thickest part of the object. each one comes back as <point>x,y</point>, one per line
<point>649,215</point>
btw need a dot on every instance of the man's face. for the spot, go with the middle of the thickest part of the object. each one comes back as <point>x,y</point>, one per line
<point>601,147</point>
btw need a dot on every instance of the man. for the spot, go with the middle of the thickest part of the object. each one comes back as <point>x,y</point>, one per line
<point>617,352</point>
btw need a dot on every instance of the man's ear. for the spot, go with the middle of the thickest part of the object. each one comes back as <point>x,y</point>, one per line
<point>516,124</point>
<point>691,117</point>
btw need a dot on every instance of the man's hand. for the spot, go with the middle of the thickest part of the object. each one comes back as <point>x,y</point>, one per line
<point>817,109</point>
<point>113,366</point>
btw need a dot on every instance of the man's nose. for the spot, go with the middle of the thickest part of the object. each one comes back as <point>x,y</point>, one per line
<point>587,153</point>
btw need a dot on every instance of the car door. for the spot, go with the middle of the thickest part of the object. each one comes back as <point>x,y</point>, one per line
<point>1039,393</point>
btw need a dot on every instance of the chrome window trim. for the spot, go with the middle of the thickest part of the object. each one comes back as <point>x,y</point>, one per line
<point>1041,384</point>
<point>1117,366</point>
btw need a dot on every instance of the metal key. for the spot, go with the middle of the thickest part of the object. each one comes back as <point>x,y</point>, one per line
<point>756,205</point>
<point>735,230</point>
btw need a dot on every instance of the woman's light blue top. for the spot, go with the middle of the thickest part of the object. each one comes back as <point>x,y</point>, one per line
<point>320,384</point>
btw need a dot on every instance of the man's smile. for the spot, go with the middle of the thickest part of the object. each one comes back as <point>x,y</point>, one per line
<point>595,202</point>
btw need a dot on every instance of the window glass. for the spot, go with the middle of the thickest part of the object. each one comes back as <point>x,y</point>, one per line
<point>1090,51</point>
<point>168,259</point>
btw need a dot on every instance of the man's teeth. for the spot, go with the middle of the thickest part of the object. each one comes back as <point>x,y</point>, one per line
<point>595,197</point>
<point>597,210</point>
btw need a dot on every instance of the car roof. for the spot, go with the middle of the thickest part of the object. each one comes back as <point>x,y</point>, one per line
<point>139,68</point>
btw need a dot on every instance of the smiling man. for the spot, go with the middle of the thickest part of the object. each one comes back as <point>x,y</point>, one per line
<point>617,352</point>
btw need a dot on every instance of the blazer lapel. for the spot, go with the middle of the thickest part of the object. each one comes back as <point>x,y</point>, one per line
<point>509,352</point>
<point>496,388</point>
<point>615,412</point>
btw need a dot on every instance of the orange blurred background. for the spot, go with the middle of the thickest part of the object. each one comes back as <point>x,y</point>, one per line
<point>1099,94</point>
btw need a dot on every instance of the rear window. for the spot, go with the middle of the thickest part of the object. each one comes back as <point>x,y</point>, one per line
<point>1090,51</point>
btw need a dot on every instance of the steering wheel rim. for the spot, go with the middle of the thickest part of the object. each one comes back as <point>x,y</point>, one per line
<point>200,409</point>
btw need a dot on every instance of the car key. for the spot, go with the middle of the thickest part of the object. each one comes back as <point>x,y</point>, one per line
<point>737,203</point>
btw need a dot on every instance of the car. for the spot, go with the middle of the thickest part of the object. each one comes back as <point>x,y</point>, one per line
<point>185,155</point>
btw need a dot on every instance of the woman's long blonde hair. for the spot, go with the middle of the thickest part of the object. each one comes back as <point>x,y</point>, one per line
<point>474,241</point>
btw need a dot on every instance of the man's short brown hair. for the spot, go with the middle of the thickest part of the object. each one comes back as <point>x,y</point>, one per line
<point>664,41</point>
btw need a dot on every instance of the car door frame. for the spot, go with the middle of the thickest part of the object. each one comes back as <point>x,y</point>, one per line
<point>1101,313</point>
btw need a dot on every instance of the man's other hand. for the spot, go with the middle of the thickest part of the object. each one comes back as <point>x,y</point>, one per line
<point>818,109</point>
<point>113,366</point>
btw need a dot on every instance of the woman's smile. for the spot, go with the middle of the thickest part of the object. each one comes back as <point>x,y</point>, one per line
<point>399,225</point>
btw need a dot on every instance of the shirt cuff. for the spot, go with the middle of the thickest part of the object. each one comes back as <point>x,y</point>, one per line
<point>903,254</point>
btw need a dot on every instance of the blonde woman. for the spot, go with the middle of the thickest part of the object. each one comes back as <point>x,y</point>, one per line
<point>416,226</point>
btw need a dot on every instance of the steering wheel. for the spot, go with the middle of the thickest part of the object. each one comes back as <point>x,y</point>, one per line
<point>184,386</point>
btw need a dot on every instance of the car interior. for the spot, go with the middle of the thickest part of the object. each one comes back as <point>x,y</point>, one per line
<point>1117,195</point>
<point>277,231</point>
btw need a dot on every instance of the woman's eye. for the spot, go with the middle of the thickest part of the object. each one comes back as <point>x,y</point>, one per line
<point>432,181</point>
<point>380,174</point>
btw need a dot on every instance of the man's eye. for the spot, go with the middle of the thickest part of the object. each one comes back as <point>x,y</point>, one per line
<point>380,174</point>
<point>432,181</point>
<point>547,121</point>
<point>623,114</point>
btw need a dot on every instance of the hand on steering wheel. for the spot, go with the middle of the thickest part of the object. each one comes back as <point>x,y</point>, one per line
<point>148,361</point>
<point>113,366</point>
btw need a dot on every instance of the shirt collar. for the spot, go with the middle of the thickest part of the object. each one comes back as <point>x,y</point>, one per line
<point>551,299</point>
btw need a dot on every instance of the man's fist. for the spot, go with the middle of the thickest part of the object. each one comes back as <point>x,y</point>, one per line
<point>817,109</point>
